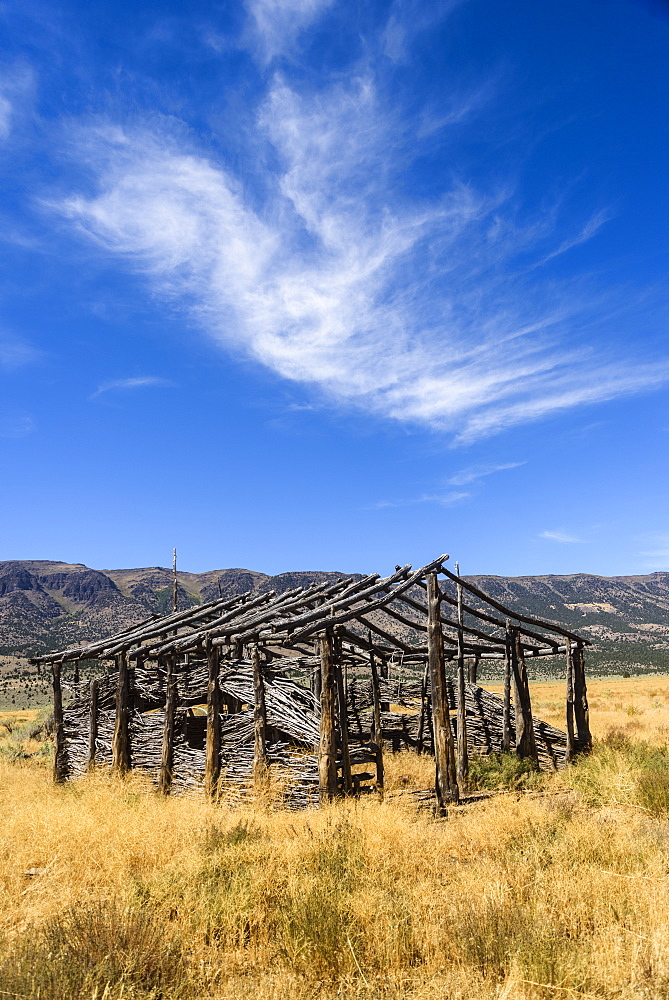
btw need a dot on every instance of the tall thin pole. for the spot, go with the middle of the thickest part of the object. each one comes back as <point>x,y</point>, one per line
<point>571,743</point>
<point>463,758</point>
<point>175,585</point>
<point>445,787</point>
<point>377,730</point>
<point>506,714</point>
<point>327,752</point>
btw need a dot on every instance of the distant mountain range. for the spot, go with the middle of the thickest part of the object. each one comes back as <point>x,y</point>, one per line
<point>48,605</point>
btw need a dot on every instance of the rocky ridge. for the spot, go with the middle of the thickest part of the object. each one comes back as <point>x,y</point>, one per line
<point>47,605</point>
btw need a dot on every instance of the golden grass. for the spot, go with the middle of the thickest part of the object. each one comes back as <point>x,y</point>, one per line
<point>109,890</point>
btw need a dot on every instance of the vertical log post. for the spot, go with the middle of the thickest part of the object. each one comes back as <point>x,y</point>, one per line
<point>121,741</point>
<point>342,715</point>
<point>171,698</point>
<point>316,676</point>
<point>506,712</point>
<point>423,710</point>
<point>377,731</point>
<point>473,669</point>
<point>92,723</point>
<point>526,746</point>
<point>327,751</point>
<point>212,771</point>
<point>260,761</point>
<point>175,583</point>
<point>446,789</point>
<point>571,742</point>
<point>581,711</point>
<point>463,757</point>
<point>59,758</point>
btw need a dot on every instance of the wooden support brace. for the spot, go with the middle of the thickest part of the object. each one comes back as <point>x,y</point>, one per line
<point>121,743</point>
<point>59,756</point>
<point>171,699</point>
<point>581,711</point>
<point>571,740</point>
<point>92,723</point>
<point>260,760</point>
<point>212,772</point>
<point>463,758</point>
<point>327,751</point>
<point>446,788</point>
<point>526,746</point>
<point>342,716</point>
<point>506,712</point>
<point>377,732</point>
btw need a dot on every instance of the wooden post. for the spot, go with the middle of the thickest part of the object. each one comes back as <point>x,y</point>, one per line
<point>316,677</point>
<point>525,740</point>
<point>212,771</point>
<point>92,723</point>
<point>342,714</point>
<point>473,669</point>
<point>377,730</point>
<point>423,710</point>
<point>327,752</point>
<point>571,742</point>
<point>463,757</point>
<point>175,583</point>
<point>260,761</point>
<point>171,698</point>
<point>121,741</point>
<point>59,757</point>
<point>581,711</point>
<point>506,712</point>
<point>446,789</point>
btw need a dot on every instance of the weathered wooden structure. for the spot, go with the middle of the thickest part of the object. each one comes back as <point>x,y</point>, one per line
<point>311,684</point>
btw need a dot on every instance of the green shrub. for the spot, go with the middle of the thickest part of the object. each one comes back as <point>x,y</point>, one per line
<point>504,771</point>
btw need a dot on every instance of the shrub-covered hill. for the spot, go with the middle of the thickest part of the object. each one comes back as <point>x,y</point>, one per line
<point>47,605</point>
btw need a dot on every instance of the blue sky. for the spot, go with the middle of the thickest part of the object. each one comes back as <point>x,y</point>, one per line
<point>307,284</point>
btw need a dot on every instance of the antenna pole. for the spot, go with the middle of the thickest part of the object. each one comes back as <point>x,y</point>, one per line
<point>175,592</point>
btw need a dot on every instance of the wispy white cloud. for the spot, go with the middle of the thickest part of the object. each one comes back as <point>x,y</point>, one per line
<point>560,536</point>
<point>277,24</point>
<point>335,277</point>
<point>590,229</point>
<point>476,472</point>
<point>447,499</point>
<point>15,352</point>
<point>124,384</point>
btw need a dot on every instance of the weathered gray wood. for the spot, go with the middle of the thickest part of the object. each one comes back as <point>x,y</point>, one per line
<point>260,759</point>
<point>506,718</point>
<point>171,699</point>
<point>212,771</point>
<point>420,737</point>
<point>526,747</point>
<point>473,669</point>
<point>175,583</point>
<point>92,722</point>
<point>121,744</point>
<point>59,752</point>
<point>571,741</point>
<point>327,751</point>
<point>463,758</point>
<point>446,789</point>
<point>377,732</point>
<point>342,718</point>
<point>581,710</point>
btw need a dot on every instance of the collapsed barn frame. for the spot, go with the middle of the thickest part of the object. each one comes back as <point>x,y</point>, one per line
<point>311,684</point>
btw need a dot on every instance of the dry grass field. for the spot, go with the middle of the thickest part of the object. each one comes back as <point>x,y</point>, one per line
<point>557,886</point>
